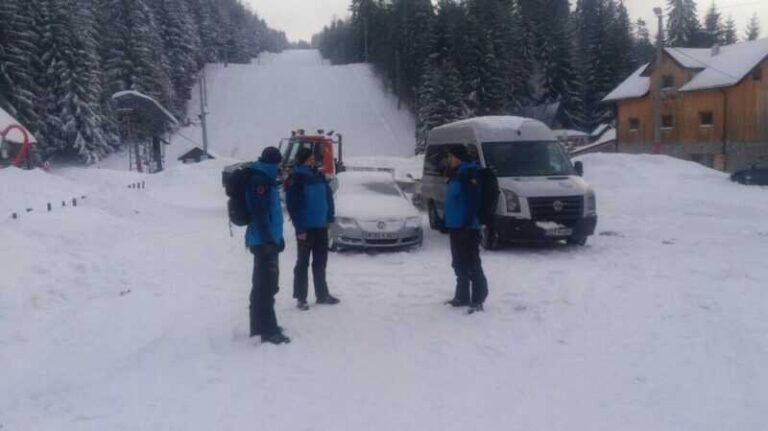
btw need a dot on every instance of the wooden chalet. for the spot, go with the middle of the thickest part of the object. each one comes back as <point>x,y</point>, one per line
<point>714,105</point>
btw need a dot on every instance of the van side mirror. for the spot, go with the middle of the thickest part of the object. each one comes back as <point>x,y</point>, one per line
<point>579,168</point>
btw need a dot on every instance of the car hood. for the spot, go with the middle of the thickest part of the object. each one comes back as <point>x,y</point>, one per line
<point>374,207</point>
<point>546,186</point>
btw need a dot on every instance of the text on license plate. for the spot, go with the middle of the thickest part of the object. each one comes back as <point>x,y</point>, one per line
<point>559,231</point>
<point>380,235</point>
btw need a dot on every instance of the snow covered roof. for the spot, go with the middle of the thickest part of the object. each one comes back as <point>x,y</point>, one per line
<point>607,138</point>
<point>14,136</point>
<point>134,98</point>
<point>725,68</point>
<point>599,130</point>
<point>569,133</point>
<point>634,86</point>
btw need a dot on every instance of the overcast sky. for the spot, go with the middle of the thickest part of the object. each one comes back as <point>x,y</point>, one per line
<point>300,19</point>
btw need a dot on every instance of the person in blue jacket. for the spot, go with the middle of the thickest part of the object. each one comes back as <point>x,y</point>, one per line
<point>264,237</point>
<point>462,220</point>
<point>310,204</point>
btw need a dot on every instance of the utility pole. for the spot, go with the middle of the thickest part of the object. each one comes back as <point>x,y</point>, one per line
<point>398,81</point>
<point>656,83</point>
<point>365,38</point>
<point>202,116</point>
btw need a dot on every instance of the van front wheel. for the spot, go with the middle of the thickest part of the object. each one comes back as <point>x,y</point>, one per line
<point>489,238</point>
<point>435,223</point>
<point>577,241</point>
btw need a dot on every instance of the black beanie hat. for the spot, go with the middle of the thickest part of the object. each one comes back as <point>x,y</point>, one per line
<point>303,155</point>
<point>460,152</point>
<point>271,155</point>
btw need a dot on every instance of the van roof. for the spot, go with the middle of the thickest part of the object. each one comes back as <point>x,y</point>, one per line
<point>500,129</point>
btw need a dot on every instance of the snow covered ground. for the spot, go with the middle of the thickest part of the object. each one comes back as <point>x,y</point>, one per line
<point>129,312</point>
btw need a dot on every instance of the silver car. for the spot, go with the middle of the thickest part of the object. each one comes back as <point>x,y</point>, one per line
<point>372,212</point>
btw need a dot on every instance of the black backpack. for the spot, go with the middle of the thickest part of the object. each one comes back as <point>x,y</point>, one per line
<point>489,186</point>
<point>235,179</point>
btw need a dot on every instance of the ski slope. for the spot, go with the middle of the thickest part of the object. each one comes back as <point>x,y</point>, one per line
<point>129,312</point>
<point>253,106</point>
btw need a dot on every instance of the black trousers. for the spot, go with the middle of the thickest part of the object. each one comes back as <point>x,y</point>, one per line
<point>466,264</point>
<point>266,273</point>
<point>315,245</point>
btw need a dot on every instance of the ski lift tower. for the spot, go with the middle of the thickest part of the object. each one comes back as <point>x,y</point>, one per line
<point>145,126</point>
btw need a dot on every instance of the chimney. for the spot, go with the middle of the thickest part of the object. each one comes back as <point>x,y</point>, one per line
<point>715,50</point>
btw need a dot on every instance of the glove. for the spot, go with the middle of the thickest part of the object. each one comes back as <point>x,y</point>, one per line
<point>301,236</point>
<point>270,249</point>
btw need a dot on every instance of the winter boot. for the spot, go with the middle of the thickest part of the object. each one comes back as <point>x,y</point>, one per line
<point>456,302</point>
<point>328,300</point>
<point>302,305</point>
<point>276,338</point>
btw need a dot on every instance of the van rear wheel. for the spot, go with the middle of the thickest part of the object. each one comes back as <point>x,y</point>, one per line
<point>489,238</point>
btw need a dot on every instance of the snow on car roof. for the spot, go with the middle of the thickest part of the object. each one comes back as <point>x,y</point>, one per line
<point>371,196</point>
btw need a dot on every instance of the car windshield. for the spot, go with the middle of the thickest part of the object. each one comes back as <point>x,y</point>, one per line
<point>387,189</point>
<point>527,159</point>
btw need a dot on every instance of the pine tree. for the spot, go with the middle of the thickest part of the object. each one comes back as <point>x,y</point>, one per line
<point>683,29</point>
<point>439,99</point>
<point>20,66</point>
<point>729,33</point>
<point>714,32</point>
<point>133,55</point>
<point>644,50</point>
<point>753,28</point>
<point>181,44</point>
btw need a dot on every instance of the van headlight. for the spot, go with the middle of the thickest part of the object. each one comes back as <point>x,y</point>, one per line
<point>590,207</point>
<point>513,201</point>
<point>346,222</point>
<point>413,222</point>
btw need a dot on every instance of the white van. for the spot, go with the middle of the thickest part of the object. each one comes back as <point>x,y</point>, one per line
<point>543,197</point>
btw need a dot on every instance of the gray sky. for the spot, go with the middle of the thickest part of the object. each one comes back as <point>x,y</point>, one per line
<point>300,19</point>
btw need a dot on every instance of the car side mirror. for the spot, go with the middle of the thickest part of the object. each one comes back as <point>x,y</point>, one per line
<point>579,168</point>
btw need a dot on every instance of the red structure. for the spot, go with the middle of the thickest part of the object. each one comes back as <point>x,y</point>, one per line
<point>22,154</point>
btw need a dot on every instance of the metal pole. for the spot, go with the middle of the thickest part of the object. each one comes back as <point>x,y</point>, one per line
<point>202,117</point>
<point>656,93</point>
<point>205,87</point>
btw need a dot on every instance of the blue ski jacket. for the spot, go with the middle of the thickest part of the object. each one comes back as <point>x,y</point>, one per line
<point>309,199</point>
<point>263,201</point>
<point>462,199</point>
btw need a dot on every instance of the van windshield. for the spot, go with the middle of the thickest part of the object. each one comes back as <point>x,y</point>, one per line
<point>527,159</point>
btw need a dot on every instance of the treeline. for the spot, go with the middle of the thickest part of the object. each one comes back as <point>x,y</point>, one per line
<point>459,59</point>
<point>61,60</point>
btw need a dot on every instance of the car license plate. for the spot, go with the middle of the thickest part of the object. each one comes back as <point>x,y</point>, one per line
<point>559,231</point>
<point>380,235</point>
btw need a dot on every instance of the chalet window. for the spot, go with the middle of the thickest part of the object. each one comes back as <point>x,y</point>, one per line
<point>706,119</point>
<point>667,82</point>
<point>667,122</point>
<point>757,75</point>
<point>634,124</point>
